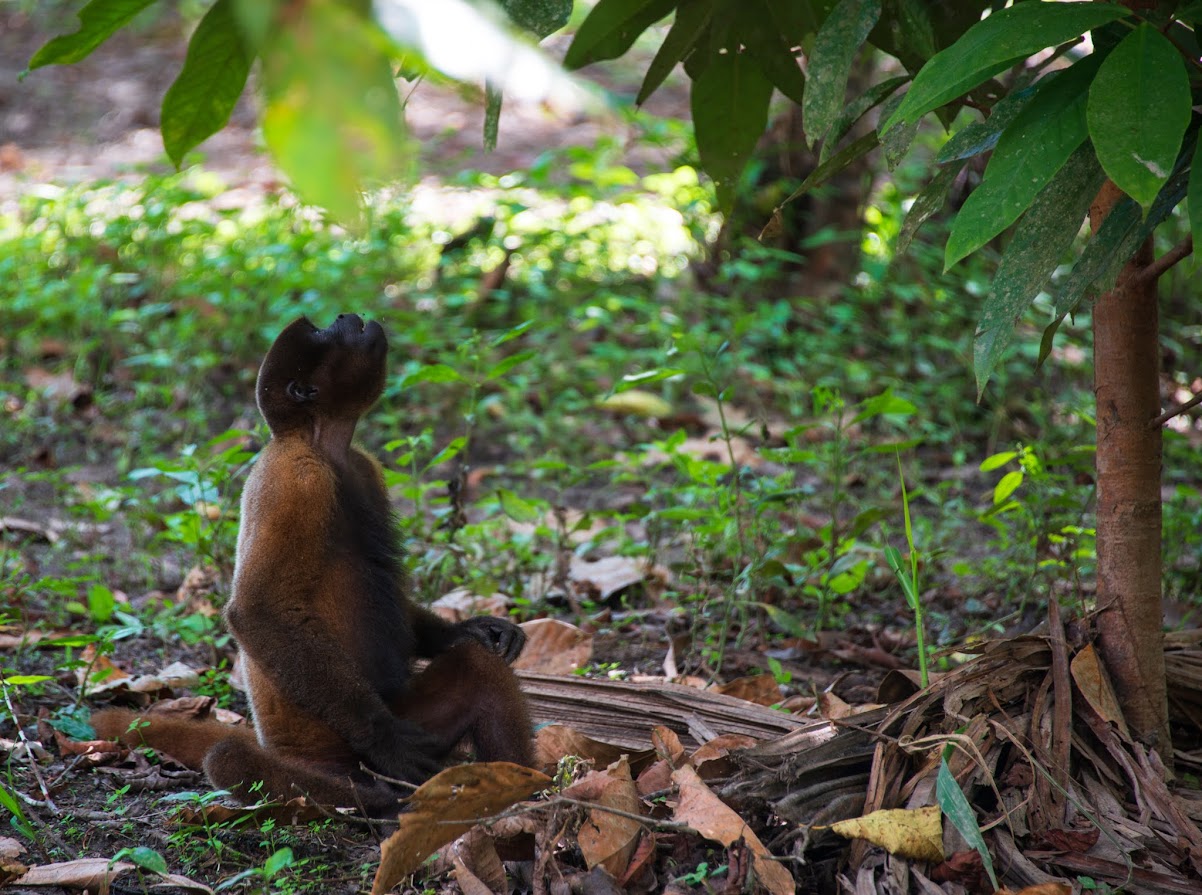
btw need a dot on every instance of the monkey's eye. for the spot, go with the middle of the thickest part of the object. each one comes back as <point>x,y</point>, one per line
<point>301,393</point>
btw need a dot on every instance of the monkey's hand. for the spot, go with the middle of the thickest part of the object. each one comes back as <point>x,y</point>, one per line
<point>403,751</point>
<point>499,635</point>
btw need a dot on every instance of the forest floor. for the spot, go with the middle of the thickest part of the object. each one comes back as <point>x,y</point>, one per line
<point>686,812</point>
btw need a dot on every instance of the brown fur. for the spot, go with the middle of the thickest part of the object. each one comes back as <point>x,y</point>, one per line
<point>328,636</point>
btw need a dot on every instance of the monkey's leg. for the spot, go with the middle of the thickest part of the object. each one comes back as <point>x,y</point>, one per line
<point>471,692</point>
<point>251,773</point>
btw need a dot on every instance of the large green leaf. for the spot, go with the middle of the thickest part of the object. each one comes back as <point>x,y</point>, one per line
<point>993,45</point>
<point>199,102</point>
<point>926,203</point>
<point>1116,240</point>
<point>855,110</point>
<point>540,17</point>
<point>1043,237</point>
<point>730,111</point>
<point>835,47</point>
<point>1029,153</point>
<point>691,20</point>
<point>774,53</point>
<point>611,27</point>
<point>836,163</point>
<point>97,22</point>
<point>332,117</point>
<point>1139,108</point>
<point>980,137</point>
<point>1193,201</point>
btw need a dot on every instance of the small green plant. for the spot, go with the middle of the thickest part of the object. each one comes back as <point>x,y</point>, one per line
<point>702,873</point>
<point>277,862</point>
<point>908,578</point>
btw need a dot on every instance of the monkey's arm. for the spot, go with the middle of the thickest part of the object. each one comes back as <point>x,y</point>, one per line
<point>436,635</point>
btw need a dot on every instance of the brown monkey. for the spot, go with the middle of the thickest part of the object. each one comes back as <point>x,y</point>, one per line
<point>327,634</point>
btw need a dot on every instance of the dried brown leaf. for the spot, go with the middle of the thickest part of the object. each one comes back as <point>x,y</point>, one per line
<point>445,807</point>
<point>553,742</point>
<point>83,873</point>
<point>762,689</point>
<point>605,838</point>
<point>606,577</point>
<point>704,812</point>
<point>478,868</point>
<point>1094,683</point>
<point>554,647</point>
<point>667,745</point>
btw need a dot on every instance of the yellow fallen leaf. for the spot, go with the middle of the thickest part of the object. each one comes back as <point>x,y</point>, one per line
<point>636,403</point>
<point>916,834</point>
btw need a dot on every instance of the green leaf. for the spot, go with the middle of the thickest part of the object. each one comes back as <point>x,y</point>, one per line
<point>997,461</point>
<point>516,508</point>
<point>1029,153</point>
<point>855,110</point>
<point>1193,199</point>
<point>730,112</point>
<point>503,366</point>
<point>993,45</point>
<point>492,116</point>
<point>956,808</point>
<point>981,136</point>
<point>146,858</point>
<point>450,452</point>
<point>897,142</point>
<point>97,22</point>
<point>926,203</point>
<point>24,680</point>
<point>611,27</point>
<point>1044,236</point>
<point>1006,486</point>
<point>835,164</point>
<point>775,55</point>
<point>540,17</point>
<point>199,102</point>
<point>884,404</point>
<point>278,861</point>
<point>332,117</point>
<point>691,20</point>
<point>835,47</point>
<point>1123,231</point>
<point>432,373</point>
<point>1139,108</point>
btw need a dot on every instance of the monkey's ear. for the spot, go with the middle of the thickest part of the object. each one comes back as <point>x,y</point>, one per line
<point>301,393</point>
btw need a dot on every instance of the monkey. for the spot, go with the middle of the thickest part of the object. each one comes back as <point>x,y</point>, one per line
<point>319,610</point>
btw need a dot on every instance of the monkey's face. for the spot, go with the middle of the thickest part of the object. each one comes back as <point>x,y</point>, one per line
<point>332,373</point>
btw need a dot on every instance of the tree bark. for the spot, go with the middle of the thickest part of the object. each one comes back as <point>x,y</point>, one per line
<point>1127,391</point>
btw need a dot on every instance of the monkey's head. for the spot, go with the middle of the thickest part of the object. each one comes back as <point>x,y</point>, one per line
<point>329,374</point>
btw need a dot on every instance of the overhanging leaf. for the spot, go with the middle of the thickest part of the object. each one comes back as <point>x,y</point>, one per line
<point>835,48</point>
<point>199,102</point>
<point>1044,235</point>
<point>1139,108</point>
<point>1193,201</point>
<point>611,27</point>
<point>993,45</point>
<point>981,136</point>
<point>1029,153</point>
<point>332,116</point>
<point>929,200</point>
<point>691,20</point>
<point>835,164</point>
<point>730,110</point>
<point>97,22</point>
<point>855,110</point>
<point>540,17</point>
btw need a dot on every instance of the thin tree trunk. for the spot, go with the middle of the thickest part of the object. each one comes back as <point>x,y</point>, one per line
<point>1127,391</point>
